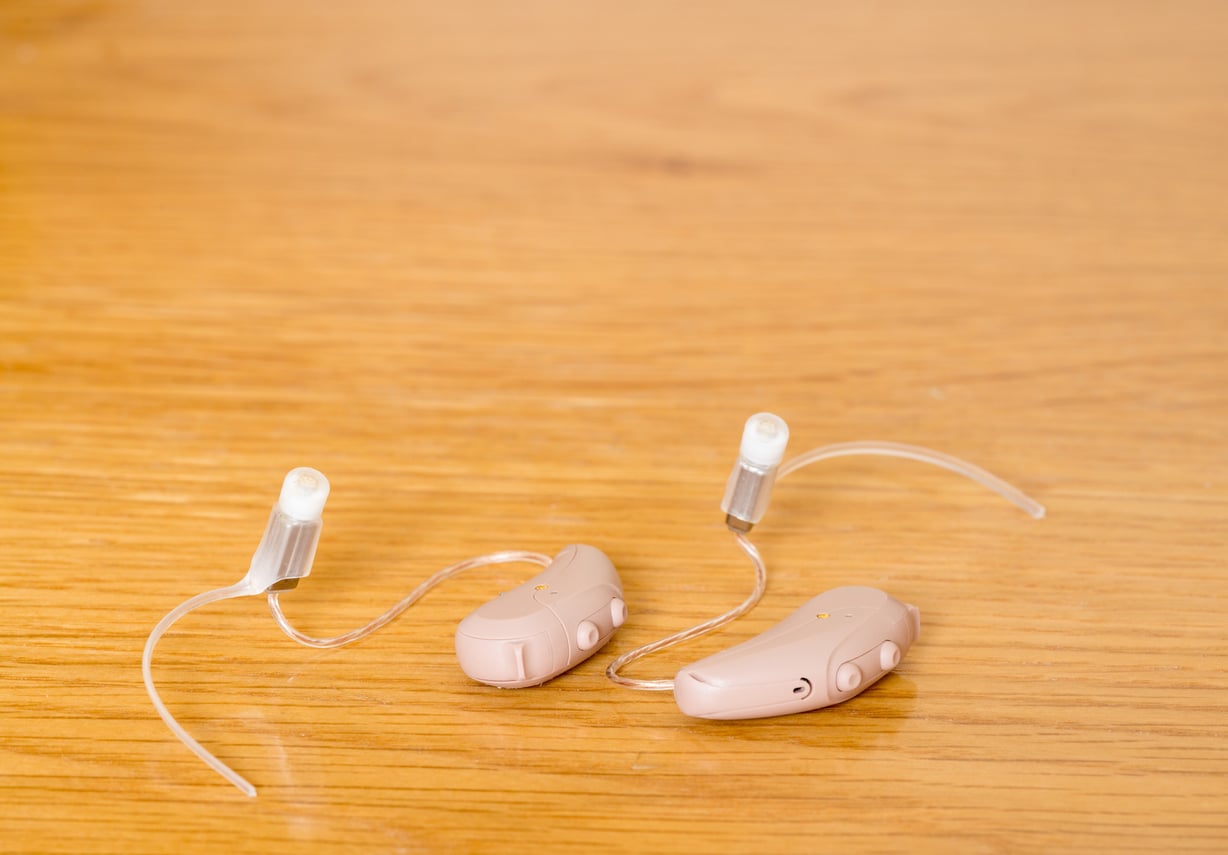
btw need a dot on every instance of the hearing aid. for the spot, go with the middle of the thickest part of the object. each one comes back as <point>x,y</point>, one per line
<point>524,637</point>
<point>544,626</point>
<point>833,647</point>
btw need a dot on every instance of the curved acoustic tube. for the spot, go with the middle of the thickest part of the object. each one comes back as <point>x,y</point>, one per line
<point>241,589</point>
<point>992,482</point>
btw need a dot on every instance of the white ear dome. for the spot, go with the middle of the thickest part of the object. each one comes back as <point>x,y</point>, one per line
<point>764,439</point>
<point>303,494</point>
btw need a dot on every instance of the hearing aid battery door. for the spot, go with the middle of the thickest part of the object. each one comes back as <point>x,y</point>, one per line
<point>545,626</point>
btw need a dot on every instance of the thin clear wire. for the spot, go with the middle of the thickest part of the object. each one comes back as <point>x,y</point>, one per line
<point>694,632</point>
<point>843,449</point>
<point>505,557</point>
<point>241,589</point>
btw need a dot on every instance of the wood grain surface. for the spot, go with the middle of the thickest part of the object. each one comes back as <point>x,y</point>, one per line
<point>513,275</point>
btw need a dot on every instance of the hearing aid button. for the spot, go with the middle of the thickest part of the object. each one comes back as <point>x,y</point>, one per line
<point>518,659</point>
<point>618,612</point>
<point>914,615</point>
<point>888,655</point>
<point>587,634</point>
<point>848,677</point>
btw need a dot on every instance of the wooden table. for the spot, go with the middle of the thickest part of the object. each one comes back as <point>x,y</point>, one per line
<point>513,275</point>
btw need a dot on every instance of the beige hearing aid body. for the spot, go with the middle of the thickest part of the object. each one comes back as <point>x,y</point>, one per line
<point>545,626</point>
<point>832,648</point>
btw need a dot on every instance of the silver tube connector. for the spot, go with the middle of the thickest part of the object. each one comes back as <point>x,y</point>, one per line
<point>754,474</point>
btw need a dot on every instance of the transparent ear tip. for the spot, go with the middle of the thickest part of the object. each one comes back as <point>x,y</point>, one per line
<point>764,439</point>
<point>303,494</point>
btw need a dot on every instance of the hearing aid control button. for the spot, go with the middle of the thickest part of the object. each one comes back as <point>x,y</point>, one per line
<point>518,659</point>
<point>587,634</point>
<point>889,655</point>
<point>848,677</point>
<point>618,612</point>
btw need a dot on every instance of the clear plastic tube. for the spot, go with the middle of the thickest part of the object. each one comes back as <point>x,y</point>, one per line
<point>924,455</point>
<point>844,449</point>
<point>240,589</point>
<point>506,557</point>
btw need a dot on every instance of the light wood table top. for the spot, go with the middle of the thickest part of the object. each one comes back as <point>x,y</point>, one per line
<point>513,275</point>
